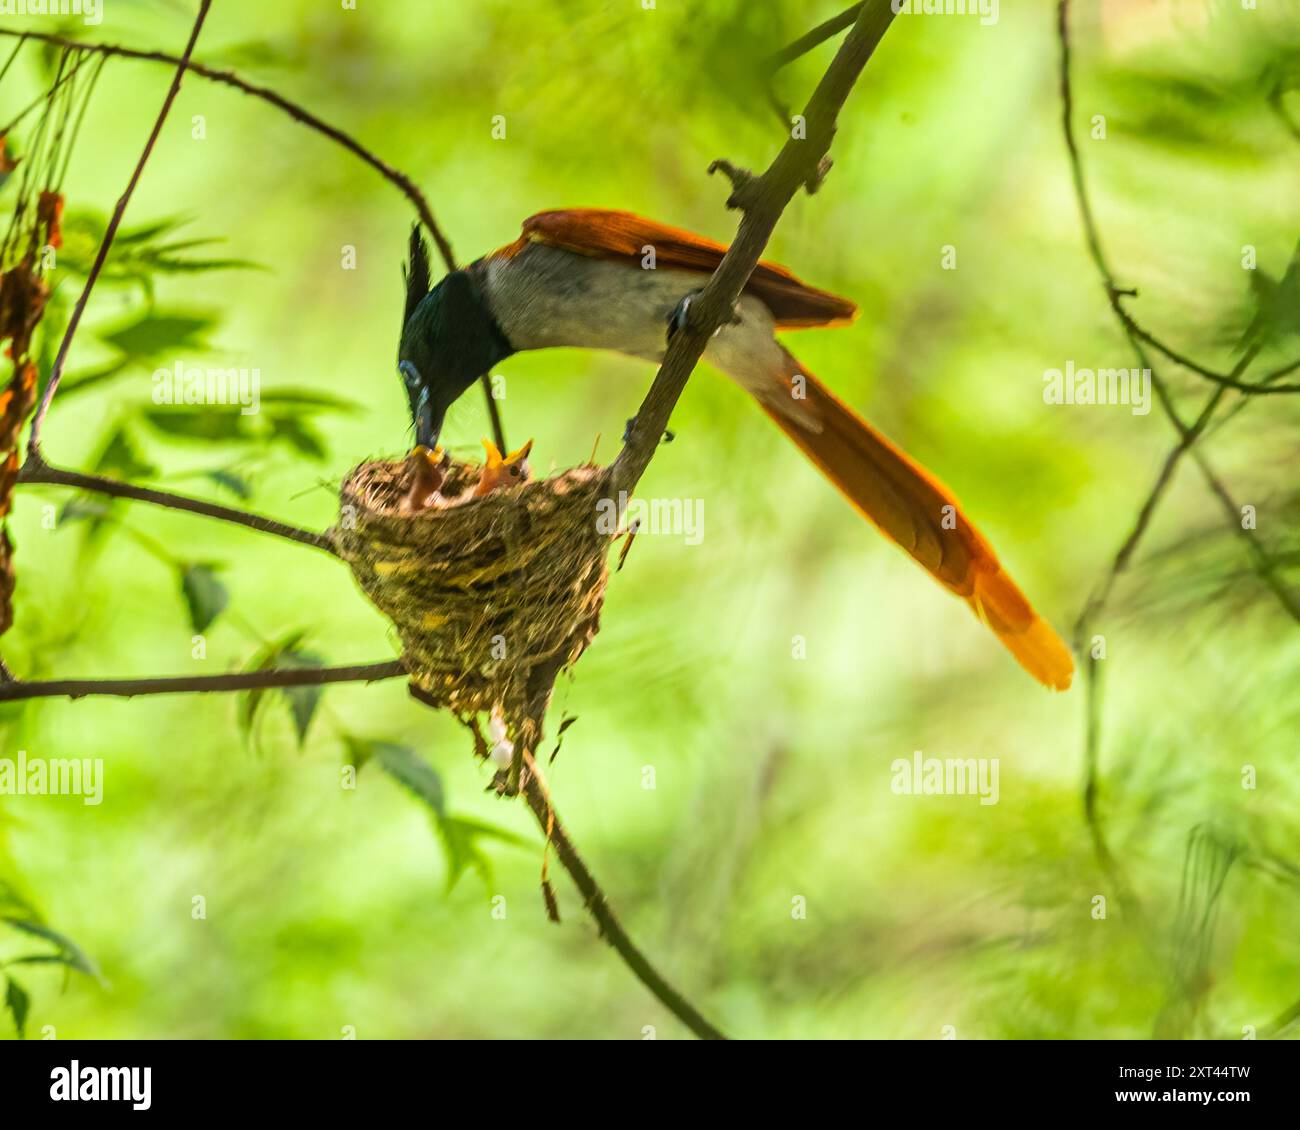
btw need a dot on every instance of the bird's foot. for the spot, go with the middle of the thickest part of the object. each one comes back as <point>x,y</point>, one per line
<point>680,317</point>
<point>668,435</point>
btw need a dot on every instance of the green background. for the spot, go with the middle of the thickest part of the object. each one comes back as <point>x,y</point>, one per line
<point>328,908</point>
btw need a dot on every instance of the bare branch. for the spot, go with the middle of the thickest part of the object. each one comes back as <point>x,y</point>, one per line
<point>38,472</point>
<point>611,929</point>
<point>815,38</point>
<point>762,200</point>
<point>52,385</point>
<point>16,689</point>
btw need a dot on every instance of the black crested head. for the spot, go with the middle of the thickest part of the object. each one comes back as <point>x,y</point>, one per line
<point>450,339</point>
<point>416,274</point>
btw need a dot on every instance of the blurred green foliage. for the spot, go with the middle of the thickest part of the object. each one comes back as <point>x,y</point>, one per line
<point>326,906</point>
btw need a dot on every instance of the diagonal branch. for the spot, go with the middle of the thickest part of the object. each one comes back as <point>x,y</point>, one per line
<point>762,200</point>
<point>611,929</point>
<point>38,472</point>
<point>110,233</point>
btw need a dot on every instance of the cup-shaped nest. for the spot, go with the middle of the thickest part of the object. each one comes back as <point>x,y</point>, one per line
<point>481,591</point>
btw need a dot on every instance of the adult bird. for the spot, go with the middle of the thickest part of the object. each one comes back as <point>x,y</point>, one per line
<point>612,280</point>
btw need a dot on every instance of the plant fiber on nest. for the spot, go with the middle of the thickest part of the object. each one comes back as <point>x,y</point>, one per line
<point>484,591</point>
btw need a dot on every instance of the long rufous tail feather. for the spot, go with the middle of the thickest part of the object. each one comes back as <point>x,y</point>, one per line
<point>912,508</point>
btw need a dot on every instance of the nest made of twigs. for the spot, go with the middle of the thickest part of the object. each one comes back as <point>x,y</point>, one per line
<point>483,592</point>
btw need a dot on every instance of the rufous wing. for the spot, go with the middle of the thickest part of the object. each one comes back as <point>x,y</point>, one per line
<point>606,234</point>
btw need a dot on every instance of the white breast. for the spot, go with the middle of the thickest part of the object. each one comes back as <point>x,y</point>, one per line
<point>545,296</point>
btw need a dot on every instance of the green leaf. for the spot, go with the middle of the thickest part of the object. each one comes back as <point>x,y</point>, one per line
<point>205,596</point>
<point>100,514</point>
<point>72,954</point>
<point>302,701</point>
<point>461,838</point>
<point>461,843</point>
<point>232,481</point>
<point>18,1003</point>
<point>154,334</point>
<point>411,770</point>
<point>120,460</point>
<point>12,901</point>
<point>309,400</point>
<point>144,233</point>
<point>215,425</point>
<point>84,382</point>
<point>305,440</point>
<point>139,253</point>
<point>1277,303</point>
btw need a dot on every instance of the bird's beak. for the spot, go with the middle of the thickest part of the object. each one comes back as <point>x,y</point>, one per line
<point>426,435</point>
<point>428,424</point>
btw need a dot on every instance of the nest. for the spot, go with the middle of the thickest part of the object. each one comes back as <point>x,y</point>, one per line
<point>483,593</point>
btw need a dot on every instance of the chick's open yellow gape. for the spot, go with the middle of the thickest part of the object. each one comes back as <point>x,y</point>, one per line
<point>431,486</point>
<point>486,573</point>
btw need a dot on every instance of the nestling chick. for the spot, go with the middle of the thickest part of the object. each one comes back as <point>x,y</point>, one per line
<point>502,470</point>
<point>429,474</point>
<point>426,482</point>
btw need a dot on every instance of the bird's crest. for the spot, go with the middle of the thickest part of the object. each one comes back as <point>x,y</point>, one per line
<point>416,274</point>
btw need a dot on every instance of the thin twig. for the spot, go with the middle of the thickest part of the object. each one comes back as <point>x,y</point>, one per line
<point>239,681</point>
<point>1115,294</point>
<point>52,385</point>
<point>815,38</point>
<point>303,116</point>
<point>1101,596</point>
<point>36,471</point>
<point>1265,387</point>
<point>533,787</point>
<point>1097,602</point>
<point>801,46</point>
<point>1188,435</point>
<point>535,792</point>
<point>1266,565</point>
